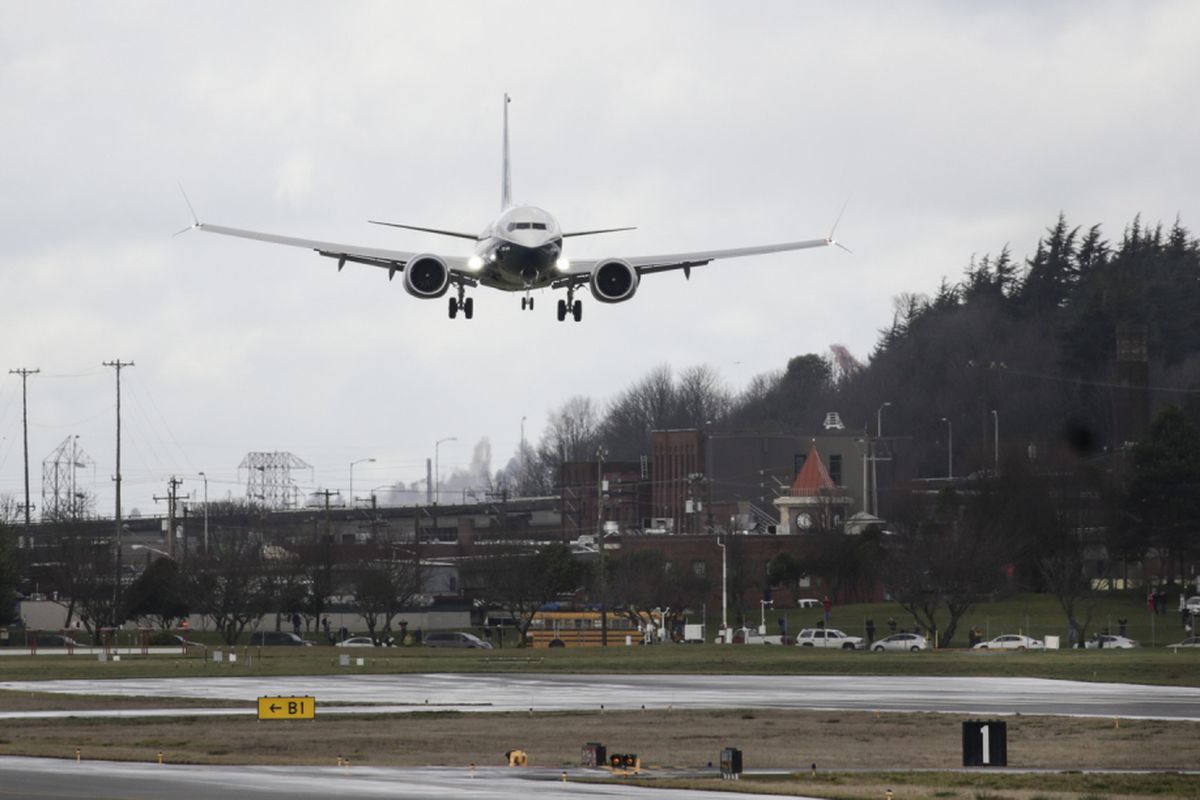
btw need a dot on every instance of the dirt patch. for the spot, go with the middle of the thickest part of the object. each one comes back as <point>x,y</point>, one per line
<point>788,740</point>
<point>51,701</point>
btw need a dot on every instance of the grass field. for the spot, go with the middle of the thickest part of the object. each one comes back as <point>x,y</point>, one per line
<point>1159,666</point>
<point>1035,614</point>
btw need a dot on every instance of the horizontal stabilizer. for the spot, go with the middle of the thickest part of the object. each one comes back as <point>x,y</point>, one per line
<point>602,230</point>
<point>439,232</point>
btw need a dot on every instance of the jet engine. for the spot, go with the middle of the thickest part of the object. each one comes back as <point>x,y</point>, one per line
<point>426,276</point>
<point>614,281</point>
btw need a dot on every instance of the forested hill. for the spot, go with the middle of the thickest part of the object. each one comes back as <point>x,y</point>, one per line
<point>1037,343</point>
<point>1033,340</point>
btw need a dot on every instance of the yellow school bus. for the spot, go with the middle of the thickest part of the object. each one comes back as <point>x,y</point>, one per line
<point>580,629</point>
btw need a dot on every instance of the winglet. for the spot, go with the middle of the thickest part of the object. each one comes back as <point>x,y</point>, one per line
<point>195,219</point>
<point>830,239</point>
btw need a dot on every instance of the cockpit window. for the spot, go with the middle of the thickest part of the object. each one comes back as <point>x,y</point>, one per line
<point>524,226</point>
<point>538,226</point>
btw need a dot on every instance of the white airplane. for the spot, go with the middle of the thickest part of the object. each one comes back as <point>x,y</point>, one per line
<point>521,250</point>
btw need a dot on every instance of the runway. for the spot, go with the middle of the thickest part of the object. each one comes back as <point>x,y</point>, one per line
<point>52,779</point>
<point>507,693</point>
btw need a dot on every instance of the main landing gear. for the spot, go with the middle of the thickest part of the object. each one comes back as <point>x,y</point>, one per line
<point>461,303</point>
<point>570,306</point>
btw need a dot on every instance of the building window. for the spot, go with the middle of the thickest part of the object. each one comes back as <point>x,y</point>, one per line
<point>835,469</point>
<point>700,568</point>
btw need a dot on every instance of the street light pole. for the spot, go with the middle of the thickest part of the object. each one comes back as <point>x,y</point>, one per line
<point>874,459</point>
<point>724,591</point>
<point>996,441</point>
<point>524,465</point>
<point>601,454</point>
<point>949,448</point>
<point>205,477</point>
<point>437,467</point>
<point>352,463</point>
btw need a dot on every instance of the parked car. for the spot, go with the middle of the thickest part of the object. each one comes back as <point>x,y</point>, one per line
<point>1108,641</point>
<point>912,642</point>
<point>828,637</point>
<point>1012,641</point>
<point>1191,641</point>
<point>808,602</point>
<point>56,640</point>
<point>357,641</point>
<point>277,639</point>
<point>1193,605</point>
<point>455,639</point>
<point>163,639</point>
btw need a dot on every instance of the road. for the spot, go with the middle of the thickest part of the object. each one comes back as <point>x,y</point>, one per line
<point>399,693</point>
<point>52,779</point>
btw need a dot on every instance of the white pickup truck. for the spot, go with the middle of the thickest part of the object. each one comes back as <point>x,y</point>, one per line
<point>748,636</point>
<point>828,637</point>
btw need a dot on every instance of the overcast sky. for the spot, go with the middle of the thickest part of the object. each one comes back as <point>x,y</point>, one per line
<point>953,128</point>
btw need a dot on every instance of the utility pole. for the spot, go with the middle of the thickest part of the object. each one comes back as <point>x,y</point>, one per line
<point>205,477</point>
<point>328,493</point>
<point>171,498</point>
<point>25,373</point>
<point>118,365</point>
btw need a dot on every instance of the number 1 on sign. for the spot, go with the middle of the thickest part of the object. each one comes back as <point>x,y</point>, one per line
<point>987,750</point>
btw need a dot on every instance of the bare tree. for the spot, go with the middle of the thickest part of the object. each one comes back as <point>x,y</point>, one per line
<point>229,585</point>
<point>9,575</point>
<point>642,581</point>
<point>701,397</point>
<point>384,582</point>
<point>84,569</point>
<point>521,582</point>
<point>942,561</point>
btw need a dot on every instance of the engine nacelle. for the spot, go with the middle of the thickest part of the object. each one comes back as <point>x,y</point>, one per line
<point>426,276</point>
<point>614,281</point>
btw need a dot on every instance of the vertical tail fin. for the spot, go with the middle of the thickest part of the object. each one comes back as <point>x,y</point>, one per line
<point>506,174</point>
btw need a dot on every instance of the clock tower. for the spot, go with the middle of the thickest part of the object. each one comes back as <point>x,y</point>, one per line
<point>814,502</point>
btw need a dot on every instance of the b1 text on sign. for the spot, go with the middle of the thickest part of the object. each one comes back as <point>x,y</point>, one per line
<point>287,707</point>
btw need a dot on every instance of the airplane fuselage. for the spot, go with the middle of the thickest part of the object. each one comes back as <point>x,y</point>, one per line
<point>520,250</point>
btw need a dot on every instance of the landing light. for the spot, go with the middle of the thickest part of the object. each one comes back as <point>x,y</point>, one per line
<point>474,263</point>
<point>563,264</point>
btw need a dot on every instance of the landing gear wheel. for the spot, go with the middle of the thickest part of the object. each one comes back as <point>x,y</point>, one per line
<point>577,310</point>
<point>531,304</point>
<point>524,303</point>
<point>453,307</point>
<point>562,310</point>
<point>469,307</point>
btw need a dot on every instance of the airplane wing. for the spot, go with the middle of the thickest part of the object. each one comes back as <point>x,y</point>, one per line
<point>581,269</point>
<point>391,260</point>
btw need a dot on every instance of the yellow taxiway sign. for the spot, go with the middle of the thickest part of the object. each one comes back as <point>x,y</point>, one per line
<point>287,707</point>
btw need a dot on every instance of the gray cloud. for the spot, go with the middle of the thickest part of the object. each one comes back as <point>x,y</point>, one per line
<point>954,128</point>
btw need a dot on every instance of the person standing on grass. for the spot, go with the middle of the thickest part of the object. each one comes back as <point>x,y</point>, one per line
<point>827,604</point>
